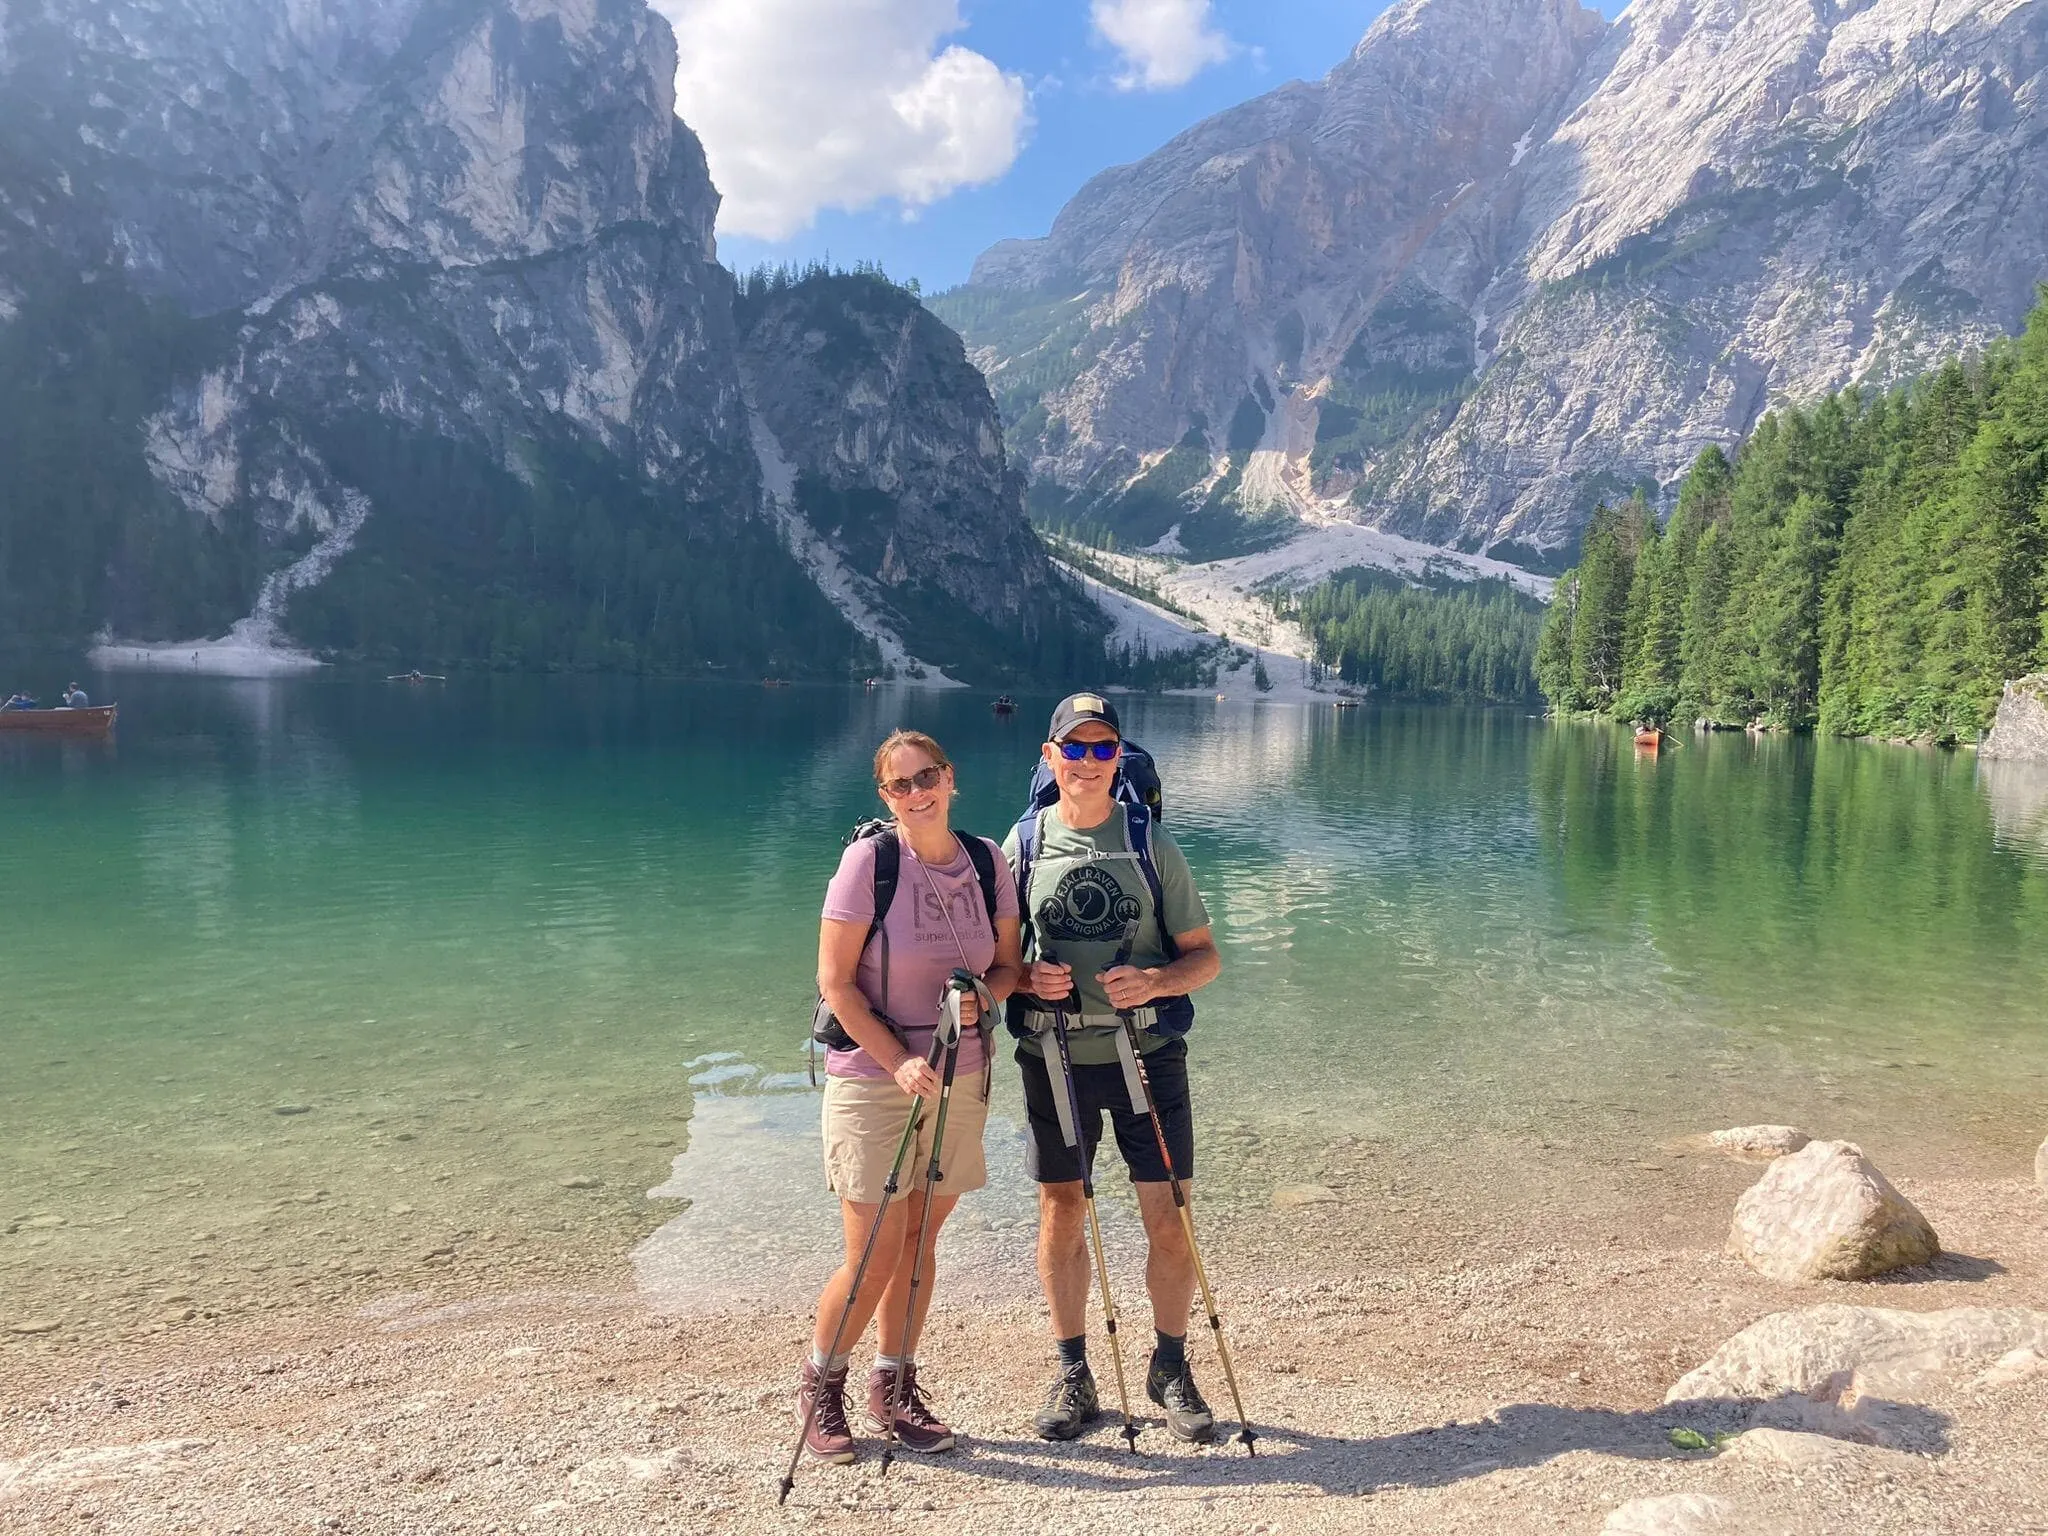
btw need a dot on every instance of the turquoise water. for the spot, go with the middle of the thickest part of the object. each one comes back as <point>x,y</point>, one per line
<point>320,988</point>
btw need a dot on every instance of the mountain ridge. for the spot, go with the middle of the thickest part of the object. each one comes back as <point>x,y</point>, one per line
<point>1724,206</point>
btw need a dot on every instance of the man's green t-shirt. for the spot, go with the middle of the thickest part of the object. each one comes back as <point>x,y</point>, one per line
<point>1085,886</point>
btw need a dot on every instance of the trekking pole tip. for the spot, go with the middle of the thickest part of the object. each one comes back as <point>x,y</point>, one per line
<point>786,1485</point>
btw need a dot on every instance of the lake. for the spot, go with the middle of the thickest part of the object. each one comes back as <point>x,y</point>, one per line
<point>322,989</point>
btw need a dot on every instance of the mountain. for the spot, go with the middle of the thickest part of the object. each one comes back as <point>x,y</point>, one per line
<point>398,328</point>
<point>1508,260</point>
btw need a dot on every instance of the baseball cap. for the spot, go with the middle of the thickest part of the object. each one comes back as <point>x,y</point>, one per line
<point>1078,709</point>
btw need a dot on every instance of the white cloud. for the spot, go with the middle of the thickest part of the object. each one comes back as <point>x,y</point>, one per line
<point>810,104</point>
<point>1164,43</point>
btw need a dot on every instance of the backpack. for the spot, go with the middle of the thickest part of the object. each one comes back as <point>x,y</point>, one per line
<point>1138,789</point>
<point>826,1030</point>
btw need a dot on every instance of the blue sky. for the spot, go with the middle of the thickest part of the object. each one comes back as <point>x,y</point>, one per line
<point>1082,123</point>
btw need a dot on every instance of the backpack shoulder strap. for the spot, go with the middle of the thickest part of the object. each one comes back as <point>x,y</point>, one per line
<point>888,870</point>
<point>984,863</point>
<point>1138,830</point>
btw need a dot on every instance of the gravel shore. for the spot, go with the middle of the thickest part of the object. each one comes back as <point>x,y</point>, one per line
<point>1498,1372</point>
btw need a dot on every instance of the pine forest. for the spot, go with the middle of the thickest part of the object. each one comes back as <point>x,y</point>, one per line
<point>1875,564</point>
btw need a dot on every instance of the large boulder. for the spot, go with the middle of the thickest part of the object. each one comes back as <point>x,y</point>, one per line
<point>1826,1213</point>
<point>2020,733</point>
<point>1861,1373</point>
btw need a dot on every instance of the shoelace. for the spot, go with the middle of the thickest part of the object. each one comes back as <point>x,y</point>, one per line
<point>916,1407</point>
<point>1180,1387</point>
<point>1065,1395</point>
<point>830,1417</point>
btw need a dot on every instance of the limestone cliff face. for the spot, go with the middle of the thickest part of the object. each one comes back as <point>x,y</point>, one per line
<point>1507,260</point>
<point>891,453</point>
<point>477,218</point>
<point>359,268</point>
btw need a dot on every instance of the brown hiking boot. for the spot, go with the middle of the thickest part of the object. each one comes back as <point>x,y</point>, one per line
<point>829,1437</point>
<point>917,1427</point>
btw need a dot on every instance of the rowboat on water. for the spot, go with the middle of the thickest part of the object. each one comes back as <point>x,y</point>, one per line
<point>415,677</point>
<point>60,722</point>
<point>1004,705</point>
<point>1649,741</point>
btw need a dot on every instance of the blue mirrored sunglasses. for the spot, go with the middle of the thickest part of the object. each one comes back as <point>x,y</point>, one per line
<point>1101,751</point>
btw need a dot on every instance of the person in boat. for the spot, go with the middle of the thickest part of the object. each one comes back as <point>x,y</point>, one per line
<point>74,697</point>
<point>938,920</point>
<point>1085,885</point>
<point>19,701</point>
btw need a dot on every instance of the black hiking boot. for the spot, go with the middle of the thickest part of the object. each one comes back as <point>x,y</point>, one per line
<point>1187,1416</point>
<point>1070,1404</point>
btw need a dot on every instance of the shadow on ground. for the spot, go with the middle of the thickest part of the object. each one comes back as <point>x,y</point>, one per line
<point>1520,1435</point>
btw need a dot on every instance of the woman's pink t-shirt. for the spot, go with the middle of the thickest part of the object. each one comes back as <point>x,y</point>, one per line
<point>922,948</point>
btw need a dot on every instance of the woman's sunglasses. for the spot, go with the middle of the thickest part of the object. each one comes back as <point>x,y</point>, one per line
<point>924,778</point>
<point>1101,751</point>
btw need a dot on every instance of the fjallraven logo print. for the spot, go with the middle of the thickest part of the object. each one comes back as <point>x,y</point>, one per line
<point>1087,904</point>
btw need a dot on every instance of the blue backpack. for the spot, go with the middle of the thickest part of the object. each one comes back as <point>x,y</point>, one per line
<point>1138,790</point>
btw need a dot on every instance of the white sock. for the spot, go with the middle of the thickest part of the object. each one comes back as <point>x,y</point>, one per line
<point>890,1363</point>
<point>832,1366</point>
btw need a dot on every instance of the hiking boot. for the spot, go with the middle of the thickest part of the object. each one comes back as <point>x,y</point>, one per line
<point>1187,1416</point>
<point>830,1437</point>
<point>917,1427</point>
<point>1070,1404</point>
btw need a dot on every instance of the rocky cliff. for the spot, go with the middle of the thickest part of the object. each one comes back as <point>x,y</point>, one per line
<point>420,294</point>
<point>882,451</point>
<point>1508,260</point>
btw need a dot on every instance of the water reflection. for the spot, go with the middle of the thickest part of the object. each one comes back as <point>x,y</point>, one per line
<point>761,1229</point>
<point>2019,804</point>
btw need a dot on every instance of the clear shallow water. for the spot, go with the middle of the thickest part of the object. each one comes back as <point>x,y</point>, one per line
<point>494,944</point>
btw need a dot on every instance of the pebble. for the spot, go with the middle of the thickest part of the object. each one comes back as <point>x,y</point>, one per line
<point>293,1109</point>
<point>45,1223</point>
<point>33,1325</point>
<point>581,1181</point>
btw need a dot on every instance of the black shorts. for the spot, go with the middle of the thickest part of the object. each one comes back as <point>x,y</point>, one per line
<point>1048,1158</point>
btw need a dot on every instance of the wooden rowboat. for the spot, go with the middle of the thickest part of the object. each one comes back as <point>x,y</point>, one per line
<point>1649,741</point>
<point>60,722</point>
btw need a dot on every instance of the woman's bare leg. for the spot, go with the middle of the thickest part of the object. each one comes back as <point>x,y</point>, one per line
<point>890,1247</point>
<point>891,1339</point>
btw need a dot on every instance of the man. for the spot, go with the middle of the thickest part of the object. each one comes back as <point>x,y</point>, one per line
<point>74,697</point>
<point>1085,884</point>
<point>19,701</point>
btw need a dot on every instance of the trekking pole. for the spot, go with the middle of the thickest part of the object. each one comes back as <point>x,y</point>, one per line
<point>1180,1201</point>
<point>1116,1348</point>
<point>949,1031</point>
<point>867,1252</point>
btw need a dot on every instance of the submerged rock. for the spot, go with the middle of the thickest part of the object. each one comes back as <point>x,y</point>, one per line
<point>1860,1373</point>
<point>2020,733</point>
<point>1826,1213</point>
<point>1760,1141</point>
<point>1290,1195</point>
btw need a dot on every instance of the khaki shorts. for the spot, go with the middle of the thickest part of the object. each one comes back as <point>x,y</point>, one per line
<point>864,1120</point>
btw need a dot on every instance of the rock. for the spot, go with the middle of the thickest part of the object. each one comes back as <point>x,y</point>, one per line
<point>2020,732</point>
<point>1802,1452</point>
<point>33,1326</point>
<point>2013,1366</point>
<point>581,1181</point>
<point>84,1466</point>
<point>1825,1213</point>
<point>293,1109</point>
<point>1858,1372</point>
<point>1760,1141</point>
<point>1288,1196</point>
<point>1678,1514</point>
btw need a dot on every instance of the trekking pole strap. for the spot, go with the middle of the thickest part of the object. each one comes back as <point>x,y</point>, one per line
<point>1059,1078</point>
<point>1134,1085</point>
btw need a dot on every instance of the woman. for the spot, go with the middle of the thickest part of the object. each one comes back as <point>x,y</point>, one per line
<point>886,995</point>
